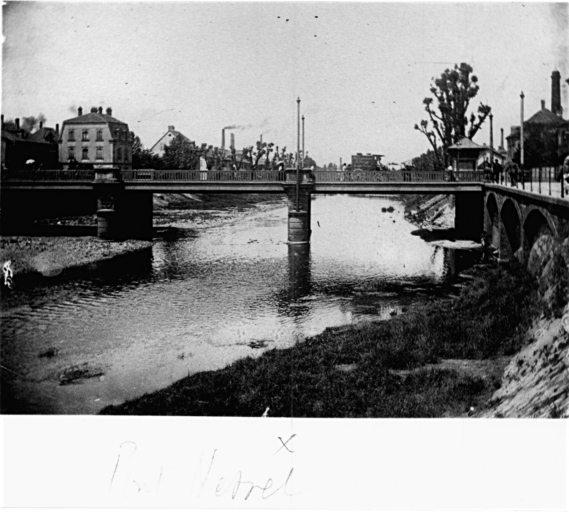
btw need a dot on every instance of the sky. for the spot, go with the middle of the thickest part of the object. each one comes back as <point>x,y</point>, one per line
<point>361,70</point>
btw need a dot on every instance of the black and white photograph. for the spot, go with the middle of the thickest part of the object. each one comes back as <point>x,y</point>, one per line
<point>290,222</point>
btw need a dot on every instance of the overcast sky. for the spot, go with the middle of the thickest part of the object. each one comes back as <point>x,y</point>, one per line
<point>361,70</point>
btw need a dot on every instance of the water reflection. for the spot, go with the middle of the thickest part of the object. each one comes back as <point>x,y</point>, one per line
<point>299,271</point>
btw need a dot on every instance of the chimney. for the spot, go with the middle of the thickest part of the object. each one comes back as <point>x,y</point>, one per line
<point>57,129</point>
<point>109,111</point>
<point>80,111</point>
<point>232,141</point>
<point>41,125</point>
<point>501,138</point>
<point>100,110</point>
<point>17,121</point>
<point>2,121</point>
<point>171,128</point>
<point>93,110</point>
<point>556,107</point>
<point>542,104</point>
<point>223,139</point>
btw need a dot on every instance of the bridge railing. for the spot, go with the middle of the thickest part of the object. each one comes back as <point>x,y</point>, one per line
<point>542,180</point>
<point>396,176</point>
<point>138,175</point>
<point>187,175</point>
<point>47,175</point>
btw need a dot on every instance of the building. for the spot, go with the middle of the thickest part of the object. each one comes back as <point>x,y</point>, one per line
<point>366,162</point>
<point>169,136</point>
<point>95,140</point>
<point>22,149</point>
<point>546,133</point>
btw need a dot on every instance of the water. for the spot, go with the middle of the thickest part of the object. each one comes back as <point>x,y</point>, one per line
<point>140,323</point>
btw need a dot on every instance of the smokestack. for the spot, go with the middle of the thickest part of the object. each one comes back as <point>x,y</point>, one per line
<point>261,138</point>
<point>556,107</point>
<point>501,138</point>
<point>223,139</point>
<point>41,125</point>
<point>100,110</point>
<point>80,111</point>
<point>57,129</point>
<point>17,121</point>
<point>109,111</point>
<point>232,141</point>
<point>543,105</point>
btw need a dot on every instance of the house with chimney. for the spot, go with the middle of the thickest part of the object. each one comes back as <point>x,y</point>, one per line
<point>23,149</point>
<point>546,133</point>
<point>95,140</point>
<point>169,136</point>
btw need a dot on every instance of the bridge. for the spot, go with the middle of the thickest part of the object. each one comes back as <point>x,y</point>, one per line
<point>124,198</point>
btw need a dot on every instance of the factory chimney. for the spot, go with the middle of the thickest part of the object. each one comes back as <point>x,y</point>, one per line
<point>223,139</point>
<point>556,107</point>
<point>232,141</point>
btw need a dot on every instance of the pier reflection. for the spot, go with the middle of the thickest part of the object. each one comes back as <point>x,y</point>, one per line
<point>299,271</point>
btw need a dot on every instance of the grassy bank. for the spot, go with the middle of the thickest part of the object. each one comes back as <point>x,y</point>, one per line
<point>396,368</point>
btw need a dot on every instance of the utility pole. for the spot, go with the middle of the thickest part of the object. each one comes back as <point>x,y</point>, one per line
<point>303,142</point>
<point>522,137</point>
<point>298,155</point>
<point>491,143</point>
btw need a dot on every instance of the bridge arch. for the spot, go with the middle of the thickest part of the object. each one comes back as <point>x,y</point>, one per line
<point>492,220</point>
<point>535,225</point>
<point>511,226</point>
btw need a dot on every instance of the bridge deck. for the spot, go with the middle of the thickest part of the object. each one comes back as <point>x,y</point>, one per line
<point>246,182</point>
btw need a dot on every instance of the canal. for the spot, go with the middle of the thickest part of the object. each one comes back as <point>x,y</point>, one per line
<point>77,342</point>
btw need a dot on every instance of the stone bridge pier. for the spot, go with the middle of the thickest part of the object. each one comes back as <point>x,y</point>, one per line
<point>515,219</point>
<point>299,230</point>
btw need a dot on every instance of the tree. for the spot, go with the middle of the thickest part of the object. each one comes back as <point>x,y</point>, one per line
<point>181,154</point>
<point>448,120</point>
<point>144,158</point>
<point>429,161</point>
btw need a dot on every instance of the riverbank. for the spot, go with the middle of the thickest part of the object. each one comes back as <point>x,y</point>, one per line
<point>500,349</point>
<point>57,244</point>
<point>414,365</point>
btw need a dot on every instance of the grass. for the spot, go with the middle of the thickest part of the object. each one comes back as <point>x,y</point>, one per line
<point>381,369</point>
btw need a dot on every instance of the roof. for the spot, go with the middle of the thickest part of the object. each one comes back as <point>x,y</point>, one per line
<point>465,143</point>
<point>46,135</point>
<point>545,116</point>
<point>93,118</point>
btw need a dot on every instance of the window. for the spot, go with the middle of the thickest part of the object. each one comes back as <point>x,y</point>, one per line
<point>85,155</point>
<point>71,152</point>
<point>71,135</point>
<point>99,155</point>
<point>119,154</point>
<point>85,135</point>
<point>99,135</point>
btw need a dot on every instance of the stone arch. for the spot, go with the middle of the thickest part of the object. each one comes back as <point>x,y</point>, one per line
<point>511,225</point>
<point>492,220</point>
<point>535,225</point>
